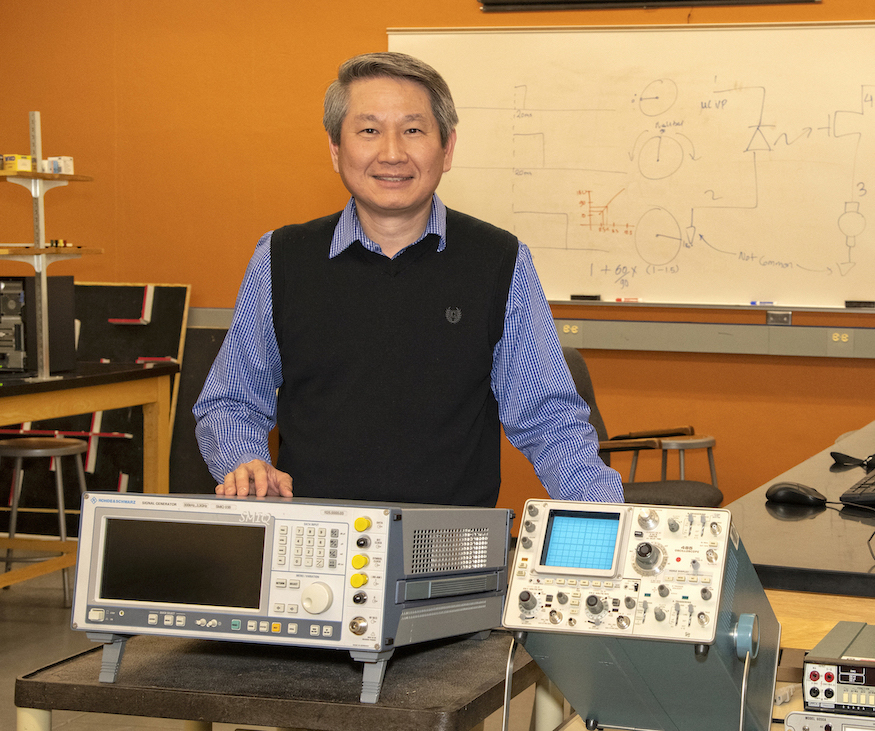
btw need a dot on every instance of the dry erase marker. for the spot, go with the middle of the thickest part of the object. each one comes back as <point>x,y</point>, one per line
<point>627,299</point>
<point>762,303</point>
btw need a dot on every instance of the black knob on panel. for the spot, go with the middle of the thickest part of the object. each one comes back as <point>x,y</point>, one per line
<point>528,600</point>
<point>647,555</point>
<point>594,604</point>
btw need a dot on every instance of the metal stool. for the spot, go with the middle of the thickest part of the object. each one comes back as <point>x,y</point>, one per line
<point>23,447</point>
<point>681,444</point>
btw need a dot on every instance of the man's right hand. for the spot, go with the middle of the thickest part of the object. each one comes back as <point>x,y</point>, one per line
<point>256,477</point>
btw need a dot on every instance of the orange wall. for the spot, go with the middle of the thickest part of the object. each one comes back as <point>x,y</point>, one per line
<point>200,120</point>
<point>200,123</point>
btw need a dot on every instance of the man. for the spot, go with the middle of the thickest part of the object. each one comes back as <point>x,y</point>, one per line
<point>389,340</point>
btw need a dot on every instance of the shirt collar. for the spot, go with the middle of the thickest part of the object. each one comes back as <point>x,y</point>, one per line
<point>349,229</point>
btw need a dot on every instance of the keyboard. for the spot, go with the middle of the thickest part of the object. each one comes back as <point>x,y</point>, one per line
<point>863,493</point>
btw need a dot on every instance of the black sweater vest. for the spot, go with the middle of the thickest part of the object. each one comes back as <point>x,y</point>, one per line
<point>386,364</point>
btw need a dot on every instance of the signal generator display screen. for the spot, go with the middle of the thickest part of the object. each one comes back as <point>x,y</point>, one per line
<point>204,564</point>
<point>581,540</point>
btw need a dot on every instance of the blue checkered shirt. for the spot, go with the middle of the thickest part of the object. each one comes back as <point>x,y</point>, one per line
<point>541,412</point>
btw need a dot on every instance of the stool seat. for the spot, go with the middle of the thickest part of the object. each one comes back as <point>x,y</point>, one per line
<point>41,447</point>
<point>691,441</point>
<point>683,443</point>
<point>21,448</point>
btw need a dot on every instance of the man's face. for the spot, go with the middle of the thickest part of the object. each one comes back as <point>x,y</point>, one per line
<point>390,155</point>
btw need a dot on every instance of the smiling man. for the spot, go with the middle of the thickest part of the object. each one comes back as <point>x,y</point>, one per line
<point>390,341</point>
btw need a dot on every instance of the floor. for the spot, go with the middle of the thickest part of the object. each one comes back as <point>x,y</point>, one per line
<point>35,631</point>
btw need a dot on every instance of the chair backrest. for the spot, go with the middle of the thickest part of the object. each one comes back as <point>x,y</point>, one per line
<point>664,492</point>
<point>583,384</point>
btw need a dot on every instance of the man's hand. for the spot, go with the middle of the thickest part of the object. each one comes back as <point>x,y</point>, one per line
<point>256,476</point>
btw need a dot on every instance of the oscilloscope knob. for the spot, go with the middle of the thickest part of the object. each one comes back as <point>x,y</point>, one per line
<point>528,600</point>
<point>647,555</point>
<point>594,604</point>
<point>526,541</point>
<point>529,526</point>
<point>659,614</point>
<point>532,510</point>
<point>648,519</point>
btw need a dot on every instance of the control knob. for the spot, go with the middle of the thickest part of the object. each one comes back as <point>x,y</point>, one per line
<point>706,593</point>
<point>659,614</point>
<point>647,555</point>
<point>317,597</point>
<point>529,526</point>
<point>648,519</point>
<point>532,510</point>
<point>594,604</point>
<point>526,541</point>
<point>528,600</point>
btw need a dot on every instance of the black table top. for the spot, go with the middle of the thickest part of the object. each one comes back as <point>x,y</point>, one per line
<point>85,374</point>
<point>447,684</point>
<point>821,549</point>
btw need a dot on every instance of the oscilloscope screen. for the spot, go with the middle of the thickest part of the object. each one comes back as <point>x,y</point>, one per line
<point>581,540</point>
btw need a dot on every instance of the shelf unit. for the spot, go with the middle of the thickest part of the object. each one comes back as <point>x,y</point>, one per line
<point>38,254</point>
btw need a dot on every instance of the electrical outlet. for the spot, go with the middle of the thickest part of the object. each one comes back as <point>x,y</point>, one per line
<point>779,318</point>
<point>840,343</point>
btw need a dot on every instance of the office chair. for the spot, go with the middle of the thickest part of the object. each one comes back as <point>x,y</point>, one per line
<point>662,492</point>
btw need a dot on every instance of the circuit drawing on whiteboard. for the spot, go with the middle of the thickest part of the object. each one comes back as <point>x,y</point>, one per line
<point>712,166</point>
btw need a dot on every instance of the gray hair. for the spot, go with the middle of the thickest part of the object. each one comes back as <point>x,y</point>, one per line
<point>395,66</point>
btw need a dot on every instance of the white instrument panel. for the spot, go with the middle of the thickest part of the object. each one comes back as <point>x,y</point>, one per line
<point>647,571</point>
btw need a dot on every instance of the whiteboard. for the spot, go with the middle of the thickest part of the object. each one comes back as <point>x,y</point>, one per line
<point>694,165</point>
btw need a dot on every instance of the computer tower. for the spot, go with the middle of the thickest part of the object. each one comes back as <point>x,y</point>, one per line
<point>18,330</point>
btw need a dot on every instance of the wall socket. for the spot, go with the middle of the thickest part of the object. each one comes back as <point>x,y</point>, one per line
<point>779,318</point>
<point>840,343</point>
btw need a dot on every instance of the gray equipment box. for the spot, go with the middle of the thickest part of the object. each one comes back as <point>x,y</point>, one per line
<point>357,576</point>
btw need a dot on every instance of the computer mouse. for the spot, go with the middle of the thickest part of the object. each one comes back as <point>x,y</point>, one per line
<point>793,493</point>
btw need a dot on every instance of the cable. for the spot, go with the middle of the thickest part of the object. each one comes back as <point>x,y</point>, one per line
<point>744,690</point>
<point>508,677</point>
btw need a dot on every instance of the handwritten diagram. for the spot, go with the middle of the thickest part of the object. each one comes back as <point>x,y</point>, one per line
<point>723,166</point>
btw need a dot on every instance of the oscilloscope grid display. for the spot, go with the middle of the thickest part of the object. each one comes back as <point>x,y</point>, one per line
<point>582,542</point>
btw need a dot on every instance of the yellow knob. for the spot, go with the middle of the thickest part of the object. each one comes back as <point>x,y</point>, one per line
<point>358,580</point>
<point>359,561</point>
<point>362,524</point>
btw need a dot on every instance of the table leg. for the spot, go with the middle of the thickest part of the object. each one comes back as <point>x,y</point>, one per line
<point>156,440</point>
<point>34,719</point>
